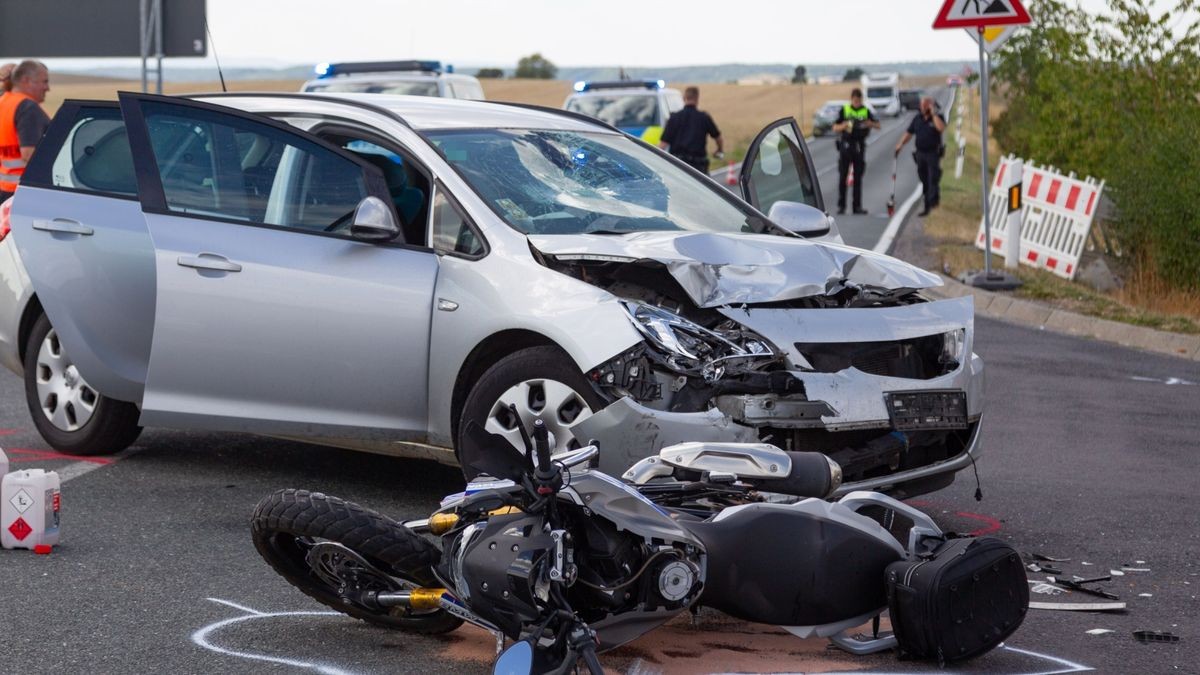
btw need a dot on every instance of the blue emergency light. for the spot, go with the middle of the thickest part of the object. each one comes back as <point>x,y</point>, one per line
<point>584,85</point>
<point>331,69</point>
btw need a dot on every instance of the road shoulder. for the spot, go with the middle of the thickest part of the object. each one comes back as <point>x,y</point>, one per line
<point>911,244</point>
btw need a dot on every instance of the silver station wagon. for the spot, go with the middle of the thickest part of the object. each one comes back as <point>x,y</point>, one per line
<point>371,271</point>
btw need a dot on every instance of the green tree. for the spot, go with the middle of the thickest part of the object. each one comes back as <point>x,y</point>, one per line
<point>853,75</point>
<point>489,73</point>
<point>1114,95</point>
<point>800,75</point>
<point>536,67</point>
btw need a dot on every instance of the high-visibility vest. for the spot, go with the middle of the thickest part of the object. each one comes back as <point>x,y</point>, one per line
<point>11,164</point>
<point>852,113</point>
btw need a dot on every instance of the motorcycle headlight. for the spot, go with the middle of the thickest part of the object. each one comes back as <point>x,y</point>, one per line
<point>953,345</point>
<point>690,347</point>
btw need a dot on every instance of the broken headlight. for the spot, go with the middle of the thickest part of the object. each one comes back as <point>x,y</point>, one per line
<point>692,349</point>
<point>953,344</point>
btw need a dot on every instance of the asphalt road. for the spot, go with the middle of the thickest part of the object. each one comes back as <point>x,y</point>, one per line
<point>864,231</point>
<point>1090,455</point>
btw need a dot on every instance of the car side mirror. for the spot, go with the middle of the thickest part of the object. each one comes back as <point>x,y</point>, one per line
<point>804,220</point>
<point>374,221</point>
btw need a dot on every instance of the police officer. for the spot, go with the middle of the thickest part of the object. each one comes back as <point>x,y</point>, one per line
<point>854,122</point>
<point>687,131</point>
<point>22,122</point>
<point>927,126</point>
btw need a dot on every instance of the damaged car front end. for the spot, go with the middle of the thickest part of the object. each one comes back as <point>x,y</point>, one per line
<point>801,344</point>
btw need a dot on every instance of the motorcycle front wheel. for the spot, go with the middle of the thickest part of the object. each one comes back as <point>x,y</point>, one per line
<point>303,536</point>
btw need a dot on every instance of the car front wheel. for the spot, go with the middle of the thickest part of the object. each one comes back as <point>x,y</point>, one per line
<point>69,414</point>
<point>533,383</point>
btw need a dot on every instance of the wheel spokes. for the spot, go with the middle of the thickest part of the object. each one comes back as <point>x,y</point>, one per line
<point>557,405</point>
<point>67,401</point>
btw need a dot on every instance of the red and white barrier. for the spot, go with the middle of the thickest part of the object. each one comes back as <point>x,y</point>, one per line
<point>1056,216</point>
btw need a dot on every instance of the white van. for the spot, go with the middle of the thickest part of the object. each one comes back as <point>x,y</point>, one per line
<point>410,78</point>
<point>882,92</point>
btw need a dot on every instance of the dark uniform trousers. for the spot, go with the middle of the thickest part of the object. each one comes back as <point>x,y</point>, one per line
<point>929,170</point>
<point>852,154</point>
<point>700,162</point>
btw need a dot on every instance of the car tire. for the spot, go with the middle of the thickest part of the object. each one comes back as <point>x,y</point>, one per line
<point>544,384</point>
<point>86,423</point>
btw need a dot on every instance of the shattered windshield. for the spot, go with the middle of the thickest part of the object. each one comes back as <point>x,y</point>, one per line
<point>631,110</point>
<point>564,182</point>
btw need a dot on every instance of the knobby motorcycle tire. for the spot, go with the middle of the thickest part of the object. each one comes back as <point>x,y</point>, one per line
<point>287,514</point>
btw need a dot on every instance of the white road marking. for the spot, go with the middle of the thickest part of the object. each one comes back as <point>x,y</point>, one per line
<point>77,469</point>
<point>893,227</point>
<point>1163,380</point>
<point>201,638</point>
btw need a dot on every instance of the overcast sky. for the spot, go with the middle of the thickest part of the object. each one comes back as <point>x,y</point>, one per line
<point>583,32</point>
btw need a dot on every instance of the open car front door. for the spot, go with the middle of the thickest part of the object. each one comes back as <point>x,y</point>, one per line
<point>270,316</point>
<point>779,179</point>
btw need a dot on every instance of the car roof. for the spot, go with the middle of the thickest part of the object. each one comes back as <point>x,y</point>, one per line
<point>419,112</point>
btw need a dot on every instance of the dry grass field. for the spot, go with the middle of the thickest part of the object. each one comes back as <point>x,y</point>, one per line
<point>739,110</point>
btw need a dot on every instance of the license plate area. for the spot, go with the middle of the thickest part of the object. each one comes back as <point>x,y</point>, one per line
<point>927,410</point>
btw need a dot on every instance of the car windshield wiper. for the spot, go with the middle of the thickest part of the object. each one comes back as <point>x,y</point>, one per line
<point>616,232</point>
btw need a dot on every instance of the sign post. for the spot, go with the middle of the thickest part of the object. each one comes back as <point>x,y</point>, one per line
<point>980,15</point>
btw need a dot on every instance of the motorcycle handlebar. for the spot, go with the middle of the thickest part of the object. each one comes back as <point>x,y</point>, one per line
<point>541,446</point>
<point>813,475</point>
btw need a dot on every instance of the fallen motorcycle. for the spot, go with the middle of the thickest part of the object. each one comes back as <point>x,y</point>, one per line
<point>568,562</point>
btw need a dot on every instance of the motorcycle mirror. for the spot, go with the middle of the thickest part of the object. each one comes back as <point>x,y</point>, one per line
<point>516,660</point>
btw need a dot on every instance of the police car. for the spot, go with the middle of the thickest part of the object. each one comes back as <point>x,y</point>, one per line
<point>410,78</point>
<point>640,108</point>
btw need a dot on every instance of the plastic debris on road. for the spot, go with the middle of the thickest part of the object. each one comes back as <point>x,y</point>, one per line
<point>1154,636</point>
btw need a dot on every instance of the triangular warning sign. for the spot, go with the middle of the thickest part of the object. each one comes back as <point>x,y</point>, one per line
<point>980,13</point>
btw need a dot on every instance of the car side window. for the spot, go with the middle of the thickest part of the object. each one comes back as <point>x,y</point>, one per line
<point>95,155</point>
<point>780,171</point>
<point>232,168</point>
<point>452,232</point>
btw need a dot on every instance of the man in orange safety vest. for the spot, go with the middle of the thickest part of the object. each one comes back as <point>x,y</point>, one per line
<point>22,122</point>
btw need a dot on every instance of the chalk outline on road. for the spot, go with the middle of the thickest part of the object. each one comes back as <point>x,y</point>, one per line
<point>200,638</point>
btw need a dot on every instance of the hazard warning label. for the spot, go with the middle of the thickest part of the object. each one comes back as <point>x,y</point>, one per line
<point>20,529</point>
<point>21,501</point>
<point>979,13</point>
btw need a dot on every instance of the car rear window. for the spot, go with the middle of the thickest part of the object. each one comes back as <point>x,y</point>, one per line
<point>402,87</point>
<point>622,111</point>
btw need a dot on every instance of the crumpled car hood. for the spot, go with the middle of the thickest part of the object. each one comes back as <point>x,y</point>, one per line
<point>733,269</point>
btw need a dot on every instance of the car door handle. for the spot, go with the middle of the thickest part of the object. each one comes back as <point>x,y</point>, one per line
<point>65,225</point>
<point>209,261</point>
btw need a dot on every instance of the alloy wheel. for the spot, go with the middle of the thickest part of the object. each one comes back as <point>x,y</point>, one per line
<point>66,398</point>
<point>557,405</point>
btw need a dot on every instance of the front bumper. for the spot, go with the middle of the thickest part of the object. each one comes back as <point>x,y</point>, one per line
<point>843,413</point>
<point>627,432</point>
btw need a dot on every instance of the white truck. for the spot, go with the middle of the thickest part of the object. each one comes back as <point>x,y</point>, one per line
<point>882,92</point>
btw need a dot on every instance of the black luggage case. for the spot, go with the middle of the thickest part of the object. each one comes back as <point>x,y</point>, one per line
<point>958,601</point>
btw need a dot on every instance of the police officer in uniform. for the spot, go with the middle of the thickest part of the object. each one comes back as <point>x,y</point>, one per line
<point>927,126</point>
<point>687,131</point>
<point>854,122</point>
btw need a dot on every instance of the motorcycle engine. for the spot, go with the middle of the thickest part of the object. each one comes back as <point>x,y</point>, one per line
<point>500,569</point>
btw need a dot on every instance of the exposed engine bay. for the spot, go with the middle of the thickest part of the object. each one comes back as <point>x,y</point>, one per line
<point>769,364</point>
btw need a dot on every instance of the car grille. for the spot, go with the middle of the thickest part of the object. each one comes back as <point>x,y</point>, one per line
<point>917,358</point>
